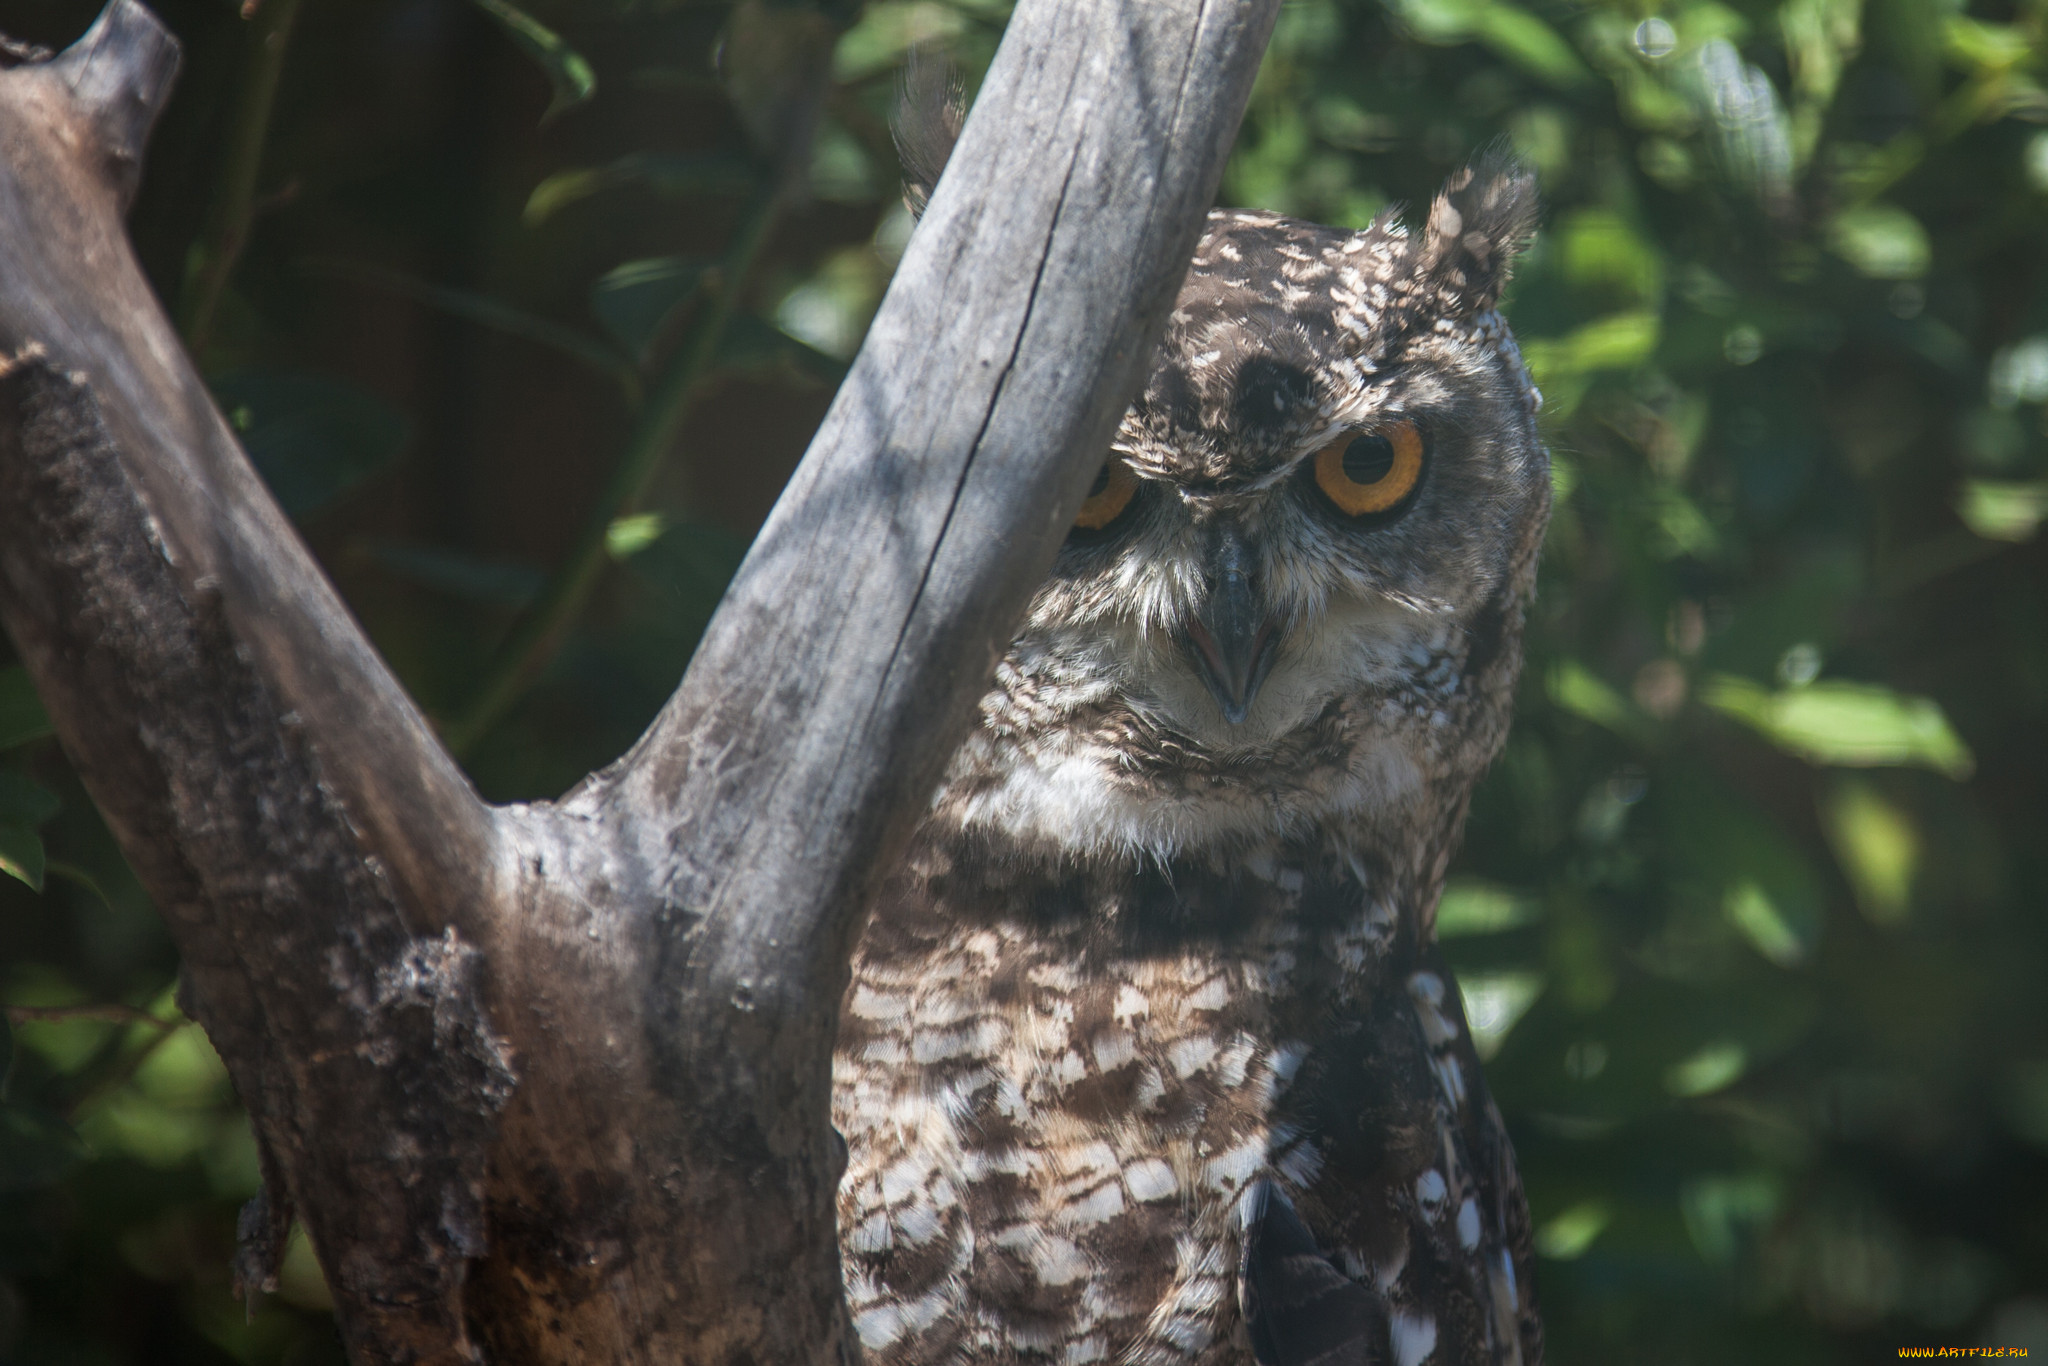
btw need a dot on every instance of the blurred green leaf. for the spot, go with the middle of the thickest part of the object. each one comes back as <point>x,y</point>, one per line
<point>830,311</point>
<point>2019,373</point>
<point>2036,160</point>
<point>1682,528</point>
<point>1759,879</point>
<point>1709,1070</point>
<point>1564,477</point>
<point>628,536</point>
<point>1470,906</point>
<point>841,170</point>
<point>299,1278</point>
<point>1603,255</point>
<point>154,1133</point>
<point>1575,688</point>
<point>65,1044</point>
<point>1531,44</point>
<point>1618,342</point>
<point>672,175</point>
<point>1767,922</point>
<point>1580,957</point>
<point>2003,510</point>
<point>888,29</point>
<point>22,717</point>
<point>632,301</point>
<point>1568,1235</point>
<point>21,855</point>
<point>1441,21</point>
<point>1853,724</point>
<point>567,71</point>
<point>1806,602</point>
<point>1721,1212</point>
<point>25,802</point>
<point>183,1070</point>
<point>1881,240</point>
<point>1877,846</point>
<point>1993,47</point>
<point>312,437</point>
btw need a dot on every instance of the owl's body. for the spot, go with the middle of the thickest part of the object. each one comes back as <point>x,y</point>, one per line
<point>1149,1055</point>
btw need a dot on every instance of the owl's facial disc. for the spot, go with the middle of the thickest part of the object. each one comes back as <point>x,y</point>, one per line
<point>1231,638</point>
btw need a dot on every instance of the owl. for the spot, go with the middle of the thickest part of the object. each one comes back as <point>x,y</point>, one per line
<point>1149,1054</point>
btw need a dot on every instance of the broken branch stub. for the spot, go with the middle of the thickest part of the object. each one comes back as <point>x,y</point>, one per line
<point>551,1083</point>
<point>120,76</point>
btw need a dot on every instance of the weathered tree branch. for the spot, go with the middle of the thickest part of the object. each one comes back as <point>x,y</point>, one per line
<point>551,1082</point>
<point>301,831</point>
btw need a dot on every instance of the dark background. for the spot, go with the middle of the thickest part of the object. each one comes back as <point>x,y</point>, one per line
<point>1752,908</point>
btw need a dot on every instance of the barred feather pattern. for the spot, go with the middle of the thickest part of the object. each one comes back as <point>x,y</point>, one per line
<point>1061,1091</point>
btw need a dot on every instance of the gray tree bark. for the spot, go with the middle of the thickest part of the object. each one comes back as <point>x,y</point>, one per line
<point>550,1083</point>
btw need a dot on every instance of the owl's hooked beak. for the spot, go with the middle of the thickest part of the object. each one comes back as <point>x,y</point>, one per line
<point>1230,637</point>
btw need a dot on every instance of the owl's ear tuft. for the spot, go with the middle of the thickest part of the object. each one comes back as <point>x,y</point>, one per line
<point>1482,219</point>
<point>931,108</point>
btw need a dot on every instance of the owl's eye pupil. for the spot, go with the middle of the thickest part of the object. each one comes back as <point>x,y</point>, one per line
<point>1367,460</point>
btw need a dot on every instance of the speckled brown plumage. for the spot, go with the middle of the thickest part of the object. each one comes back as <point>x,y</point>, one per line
<point>1149,1055</point>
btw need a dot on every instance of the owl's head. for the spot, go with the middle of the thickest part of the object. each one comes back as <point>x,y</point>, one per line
<point>1296,588</point>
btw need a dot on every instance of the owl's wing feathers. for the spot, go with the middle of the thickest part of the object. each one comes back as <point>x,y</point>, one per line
<point>1299,1309</point>
<point>1410,1242</point>
<point>931,108</point>
<point>1495,1238</point>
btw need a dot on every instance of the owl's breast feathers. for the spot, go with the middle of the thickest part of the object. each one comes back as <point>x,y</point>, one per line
<point>1192,1115</point>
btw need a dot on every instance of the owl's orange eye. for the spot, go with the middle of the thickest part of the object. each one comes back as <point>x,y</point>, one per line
<point>1368,472</point>
<point>1108,496</point>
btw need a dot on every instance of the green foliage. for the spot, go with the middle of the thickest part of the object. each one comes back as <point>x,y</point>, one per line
<point>22,717</point>
<point>634,300</point>
<point>311,437</point>
<point>567,71</point>
<point>1748,916</point>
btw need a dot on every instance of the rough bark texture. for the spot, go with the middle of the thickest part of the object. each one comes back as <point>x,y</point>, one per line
<point>551,1083</point>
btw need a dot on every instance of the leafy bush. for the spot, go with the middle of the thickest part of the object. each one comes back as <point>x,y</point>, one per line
<point>1749,915</point>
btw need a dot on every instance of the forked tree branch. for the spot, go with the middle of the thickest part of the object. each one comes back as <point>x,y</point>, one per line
<point>551,1083</point>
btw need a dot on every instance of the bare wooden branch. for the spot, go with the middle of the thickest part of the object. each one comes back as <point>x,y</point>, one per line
<point>298,958</point>
<point>844,665</point>
<point>309,844</point>
<point>551,1084</point>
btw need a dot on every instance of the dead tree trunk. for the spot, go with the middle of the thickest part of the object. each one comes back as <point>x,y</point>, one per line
<point>550,1083</point>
